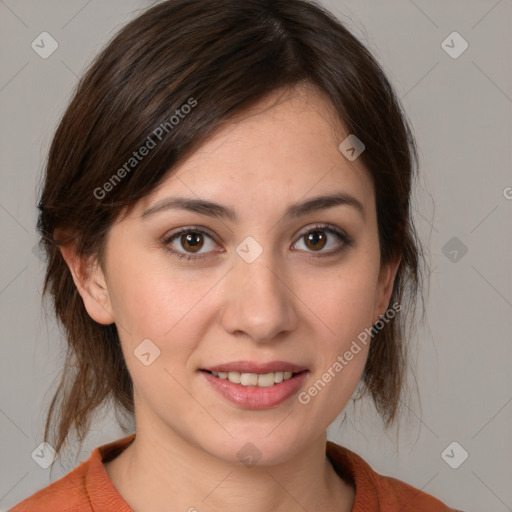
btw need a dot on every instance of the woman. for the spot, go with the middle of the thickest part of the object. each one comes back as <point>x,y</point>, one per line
<point>226,212</point>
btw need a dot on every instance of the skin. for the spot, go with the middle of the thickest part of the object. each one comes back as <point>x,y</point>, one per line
<point>289,304</point>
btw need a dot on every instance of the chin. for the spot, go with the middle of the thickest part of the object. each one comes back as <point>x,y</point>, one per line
<point>255,447</point>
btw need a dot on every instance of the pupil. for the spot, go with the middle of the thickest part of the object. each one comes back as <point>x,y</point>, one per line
<point>315,237</point>
<point>193,241</point>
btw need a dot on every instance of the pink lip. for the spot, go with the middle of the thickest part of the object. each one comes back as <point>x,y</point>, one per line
<point>254,397</point>
<point>252,367</point>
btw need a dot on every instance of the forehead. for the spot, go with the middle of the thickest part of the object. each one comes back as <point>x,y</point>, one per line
<point>285,147</point>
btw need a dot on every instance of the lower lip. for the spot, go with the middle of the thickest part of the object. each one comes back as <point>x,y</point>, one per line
<point>254,397</point>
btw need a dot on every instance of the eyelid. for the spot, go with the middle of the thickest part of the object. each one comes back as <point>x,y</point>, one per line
<point>192,227</point>
<point>326,226</point>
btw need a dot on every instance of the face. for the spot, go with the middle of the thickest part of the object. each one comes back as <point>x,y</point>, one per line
<point>267,287</point>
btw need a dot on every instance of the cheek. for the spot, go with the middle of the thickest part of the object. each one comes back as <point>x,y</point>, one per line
<point>165,308</point>
<point>344,310</point>
<point>343,303</point>
<point>152,300</point>
<point>140,300</point>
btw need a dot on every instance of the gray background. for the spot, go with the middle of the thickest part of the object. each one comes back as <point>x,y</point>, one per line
<point>461,112</point>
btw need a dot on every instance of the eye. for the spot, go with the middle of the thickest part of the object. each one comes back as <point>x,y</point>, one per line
<point>191,240</point>
<point>188,242</point>
<point>318,237</point>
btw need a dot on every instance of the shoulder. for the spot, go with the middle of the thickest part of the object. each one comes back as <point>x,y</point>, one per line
<point>64,495</point>
<point>378,492</point>
<point>85,489</point>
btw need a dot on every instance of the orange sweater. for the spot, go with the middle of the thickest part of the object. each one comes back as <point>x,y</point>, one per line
<point>88,489</point>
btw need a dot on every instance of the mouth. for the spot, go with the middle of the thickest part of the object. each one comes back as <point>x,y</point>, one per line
<point>250,373</point>
<point>262,380</point>
<point>256,385</point>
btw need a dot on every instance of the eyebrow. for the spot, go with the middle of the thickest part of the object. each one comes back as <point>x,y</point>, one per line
<point>211,209</point>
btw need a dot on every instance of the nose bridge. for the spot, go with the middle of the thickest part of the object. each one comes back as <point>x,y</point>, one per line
<point>260,303</point>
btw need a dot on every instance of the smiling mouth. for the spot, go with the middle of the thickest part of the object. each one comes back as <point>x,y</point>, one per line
<point>262,380</point>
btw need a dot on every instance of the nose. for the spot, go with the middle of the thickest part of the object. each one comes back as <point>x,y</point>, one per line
<point>259,299</point>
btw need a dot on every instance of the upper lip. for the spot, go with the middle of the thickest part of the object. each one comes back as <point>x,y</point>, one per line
<point>253,367</point>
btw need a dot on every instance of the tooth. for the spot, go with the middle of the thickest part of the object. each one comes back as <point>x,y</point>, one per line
<point>234,377</point>
<point>254,379</point>
<point>249,379</point>
<point>266,380</point>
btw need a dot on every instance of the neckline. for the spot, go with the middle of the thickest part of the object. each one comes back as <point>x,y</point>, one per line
<point>104,495</point>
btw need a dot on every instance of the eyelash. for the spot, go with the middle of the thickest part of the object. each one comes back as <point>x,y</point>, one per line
<point>347,241</point>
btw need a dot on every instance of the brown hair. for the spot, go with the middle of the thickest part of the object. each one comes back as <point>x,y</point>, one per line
<point>225,56</point>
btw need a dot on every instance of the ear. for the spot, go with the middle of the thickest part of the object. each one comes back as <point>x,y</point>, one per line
<point>385,283</point>
<point>91,284</point>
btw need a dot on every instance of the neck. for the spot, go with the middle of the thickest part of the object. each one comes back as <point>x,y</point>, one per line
<point>156,475</point>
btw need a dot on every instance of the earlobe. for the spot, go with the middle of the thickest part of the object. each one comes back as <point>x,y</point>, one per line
<point>91,284</point>
<point>385,286</point>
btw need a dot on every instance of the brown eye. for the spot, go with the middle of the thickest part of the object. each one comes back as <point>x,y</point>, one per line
<point>321,237</point>
<point>188,242</point>
<point>315,240</point>
<point>192,241</point>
